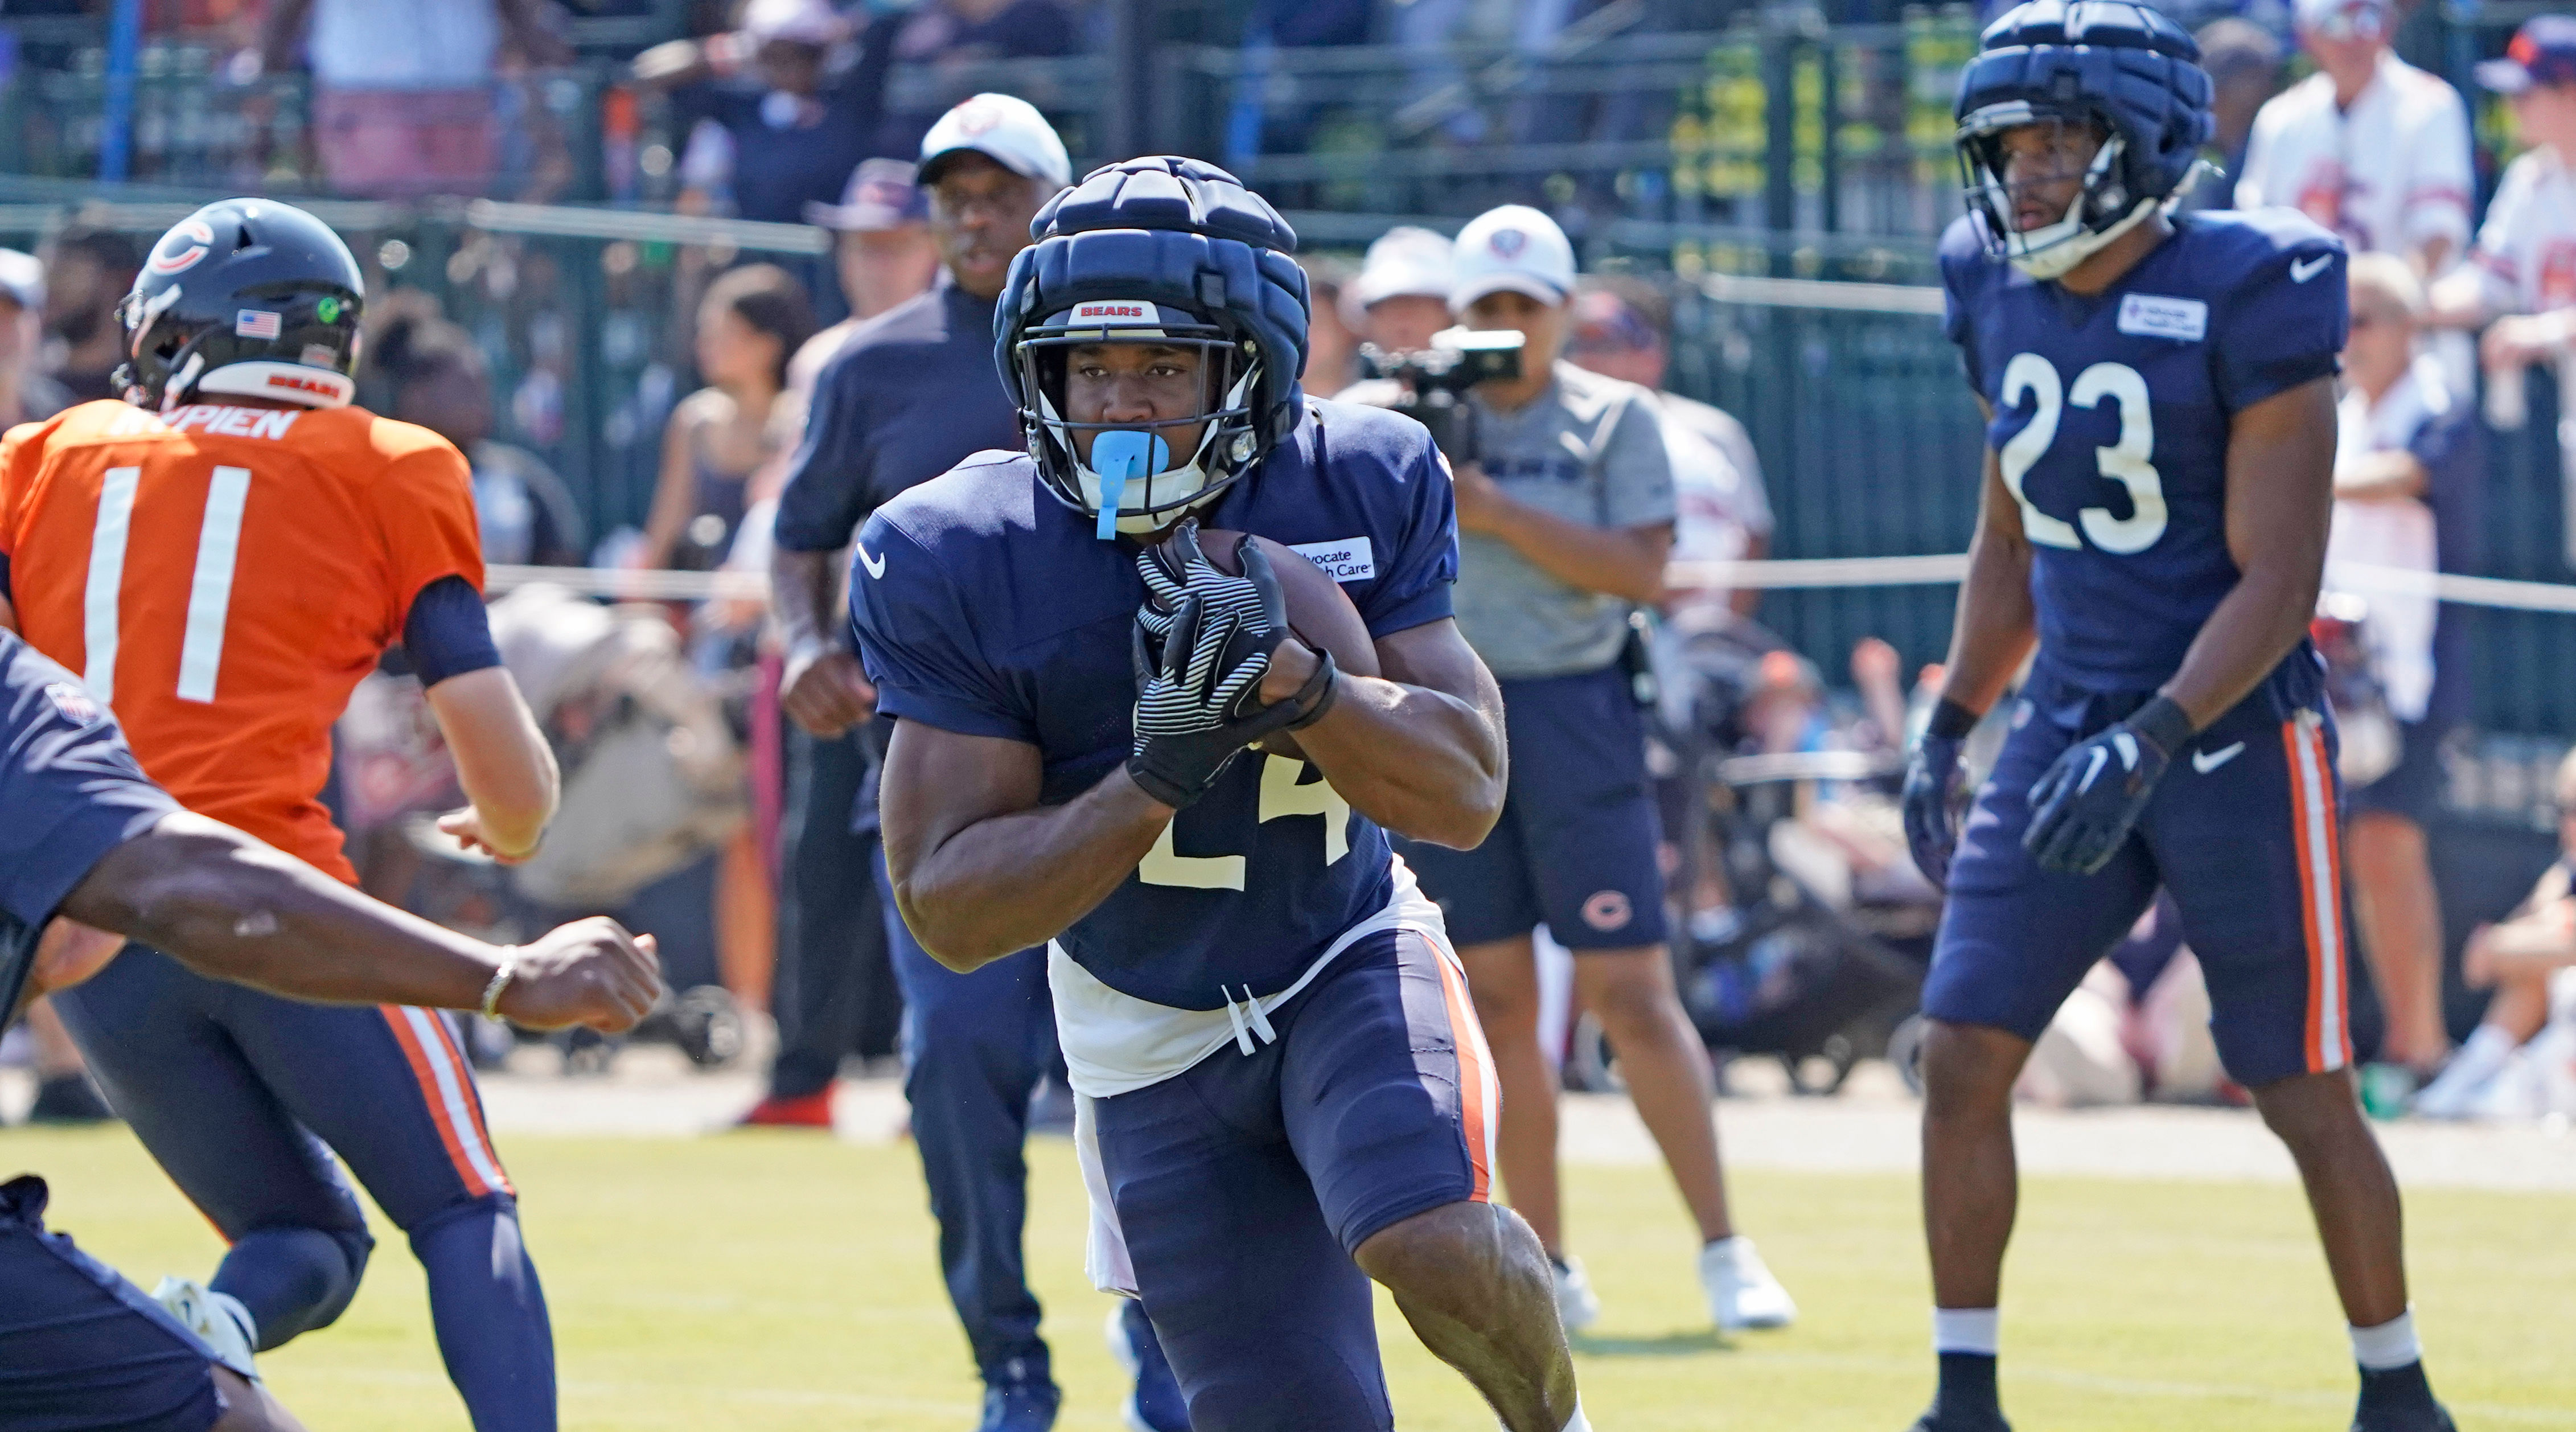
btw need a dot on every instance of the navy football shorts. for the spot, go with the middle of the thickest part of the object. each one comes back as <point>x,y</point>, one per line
<point>2242,832</point>
<point>1577,847</point>
<point>83,1350</point>
<point>1243,1184</point>
<point>2413,787</point>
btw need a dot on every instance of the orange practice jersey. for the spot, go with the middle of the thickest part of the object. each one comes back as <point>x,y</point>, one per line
<point>223,577</point>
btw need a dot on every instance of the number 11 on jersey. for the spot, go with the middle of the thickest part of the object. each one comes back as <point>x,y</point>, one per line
<point>210,587</point>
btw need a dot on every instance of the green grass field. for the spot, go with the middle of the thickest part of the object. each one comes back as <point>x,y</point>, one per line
<point>771,1281</point>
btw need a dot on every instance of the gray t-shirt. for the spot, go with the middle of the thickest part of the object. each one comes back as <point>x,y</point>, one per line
<point>1590,449</point>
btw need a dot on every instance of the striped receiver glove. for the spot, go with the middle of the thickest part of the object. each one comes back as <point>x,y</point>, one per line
<point>1199,662</point>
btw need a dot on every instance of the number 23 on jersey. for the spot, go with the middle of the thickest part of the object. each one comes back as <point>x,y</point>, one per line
<point>2030,376</point>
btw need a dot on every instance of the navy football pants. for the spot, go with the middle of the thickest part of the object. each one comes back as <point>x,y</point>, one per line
<point>229,1088</point>
<point>2241,833</point>
<point>831,950</point>
<point>1244,1184</point>
<point>974,1048</point>
<point>81,1349</point>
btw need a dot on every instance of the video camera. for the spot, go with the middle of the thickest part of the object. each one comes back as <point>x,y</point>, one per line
<point>1432,382</point>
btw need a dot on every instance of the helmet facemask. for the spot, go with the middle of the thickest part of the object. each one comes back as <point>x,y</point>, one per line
<point>1139,485</point>
<point>2101,210</point>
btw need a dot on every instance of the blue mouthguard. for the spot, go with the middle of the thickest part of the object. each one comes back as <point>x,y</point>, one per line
<point>1121,456</point>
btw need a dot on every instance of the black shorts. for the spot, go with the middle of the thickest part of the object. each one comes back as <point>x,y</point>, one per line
<point>1577,847</point>
<point>83,1350</point>
<point>2413,787</point>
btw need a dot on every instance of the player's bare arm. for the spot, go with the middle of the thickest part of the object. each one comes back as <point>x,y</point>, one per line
<point>2280,493</point>
<point>821,687</point>
<point>1995,626</point>
<point>502,760</point>
<point>235,909</point>
<point>981,869</point>
<point>1419,751</point>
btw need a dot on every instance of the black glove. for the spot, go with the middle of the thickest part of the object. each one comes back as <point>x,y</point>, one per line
<point>1931,799</point>
<point>1198,698</point>
<point>2086,804</point>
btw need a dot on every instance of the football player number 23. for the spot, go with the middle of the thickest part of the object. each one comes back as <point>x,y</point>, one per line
<point>1281,796</point>
<point>210,586</point>
<point>2124,462</point>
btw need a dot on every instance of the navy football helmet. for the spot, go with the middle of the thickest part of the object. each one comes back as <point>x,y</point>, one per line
<point>2124,70</point>
<point>1170,251</point>
<point>245,296</point>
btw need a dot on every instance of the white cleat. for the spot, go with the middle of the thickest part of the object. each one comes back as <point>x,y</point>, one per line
<point>218,1319</point>
<point>1741,1291</point>
<point>1577,1306</point>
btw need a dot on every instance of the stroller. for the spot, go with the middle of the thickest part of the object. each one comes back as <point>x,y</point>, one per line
<point>1816,968</point>
<point>652,775</point>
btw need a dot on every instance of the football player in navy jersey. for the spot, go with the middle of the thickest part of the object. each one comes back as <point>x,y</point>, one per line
<point>2158,475</point>
<point>1284,1092</point>
<point>86,836</point>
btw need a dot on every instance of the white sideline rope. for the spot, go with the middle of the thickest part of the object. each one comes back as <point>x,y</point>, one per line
<point>1802,573</point>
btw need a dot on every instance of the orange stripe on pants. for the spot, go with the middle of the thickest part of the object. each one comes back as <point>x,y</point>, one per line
<point>1478,1101</point>
<point>473,1100</point>
<point>2312,822</point>
<point>429,1095</point>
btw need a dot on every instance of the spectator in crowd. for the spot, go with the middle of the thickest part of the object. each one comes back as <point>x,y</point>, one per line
<point>2525,959</point>
<point>406,94</point>
<point>87,273</point>
<point>955,33</point>
<point>1623,330</point>
<point>752,320</point>
<point>1332,349</point>
<point>2406,480</point>
<point>1401,297</point>
<point>2369,146</point>
<point>26,395</point>
<point>2522,274</point>
<point>440,381</point>
<point>1565,517</point>
<point>2244,65</point>
<point>884,252</point>
<point>782,110</point>
<point>911,395</point>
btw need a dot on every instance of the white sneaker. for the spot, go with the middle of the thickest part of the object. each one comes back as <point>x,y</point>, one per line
<point>1577,1306</point>
<point>1741,1291</point>
<point>218,1319</point>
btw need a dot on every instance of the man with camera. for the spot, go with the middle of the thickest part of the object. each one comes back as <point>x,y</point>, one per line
<point>1565,519</point>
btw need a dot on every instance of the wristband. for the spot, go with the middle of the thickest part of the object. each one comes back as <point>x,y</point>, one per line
<point>2165,723</point>
<point>1951,721</point>
<point>501,978</point>
<point>1319,693</point>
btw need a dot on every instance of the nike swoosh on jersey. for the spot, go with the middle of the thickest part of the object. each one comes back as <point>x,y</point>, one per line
<point>2208,761</point>
<point>2306,269</point>
<point>875,565</point>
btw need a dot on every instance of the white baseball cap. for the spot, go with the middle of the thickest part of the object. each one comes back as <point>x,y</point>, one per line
<point>805,22</point>
<point>22,279</point>
<point>1003,128</point>
<point>1405,262</point>
<point>1514,247</point>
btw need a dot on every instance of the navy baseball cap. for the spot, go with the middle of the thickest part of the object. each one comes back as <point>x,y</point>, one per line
<point>2543,52</point>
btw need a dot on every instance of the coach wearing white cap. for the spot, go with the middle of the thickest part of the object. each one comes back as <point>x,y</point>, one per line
<point>1565,516</point>
<point>910,396</point>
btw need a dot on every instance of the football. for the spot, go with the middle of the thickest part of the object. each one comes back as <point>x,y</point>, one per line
<point>1319,611</point>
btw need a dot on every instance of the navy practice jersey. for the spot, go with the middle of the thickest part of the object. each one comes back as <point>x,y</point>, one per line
<point>986,606</point>
<point>70,792</point>
<point>2111,417</point>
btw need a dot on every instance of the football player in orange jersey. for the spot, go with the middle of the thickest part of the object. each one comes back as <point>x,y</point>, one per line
<point>222,557</point>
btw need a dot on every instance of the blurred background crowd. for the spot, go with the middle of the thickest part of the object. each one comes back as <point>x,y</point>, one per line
<point>612,243</point>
